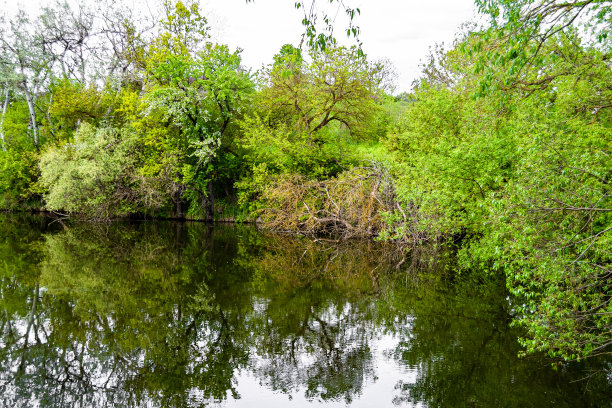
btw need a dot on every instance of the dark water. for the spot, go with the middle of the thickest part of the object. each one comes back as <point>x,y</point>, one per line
<point>162,314</point>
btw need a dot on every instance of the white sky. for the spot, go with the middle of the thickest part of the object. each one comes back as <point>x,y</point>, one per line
<point>400,30</point>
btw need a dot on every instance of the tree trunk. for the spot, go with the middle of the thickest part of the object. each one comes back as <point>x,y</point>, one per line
<point>179,203</point>
<point>49,120</point>
<point>31,315</point>
<point>210,203</point>
<point>32,110</point>
<point>4,108</point>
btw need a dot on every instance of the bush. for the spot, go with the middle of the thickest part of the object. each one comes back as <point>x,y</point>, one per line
<point>97,175</point>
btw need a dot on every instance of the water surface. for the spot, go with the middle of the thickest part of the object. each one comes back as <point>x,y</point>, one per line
<point>162,314</point>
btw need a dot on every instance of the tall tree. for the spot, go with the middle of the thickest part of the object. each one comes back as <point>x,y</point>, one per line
<point>199,88</point>
<point>553,230</point>
<point>337,85</point>
<point>5,103</point>
<point>26,64</point>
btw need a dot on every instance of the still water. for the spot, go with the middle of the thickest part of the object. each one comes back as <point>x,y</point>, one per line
<point>162,314</point>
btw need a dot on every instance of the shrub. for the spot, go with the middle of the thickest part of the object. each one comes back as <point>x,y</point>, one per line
<point>96,176</point>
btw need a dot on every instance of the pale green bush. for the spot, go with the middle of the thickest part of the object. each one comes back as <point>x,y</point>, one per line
<point>96,176</point>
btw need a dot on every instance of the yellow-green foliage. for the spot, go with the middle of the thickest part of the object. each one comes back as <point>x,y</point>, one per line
<point>95,175</point>
<point>284,150</point>
<point>15,127</point>
<point>74,103</point>
<point>337,86</point>
<point>524,171</point>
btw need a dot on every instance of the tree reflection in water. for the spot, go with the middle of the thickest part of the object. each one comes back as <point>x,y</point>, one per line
<point>172,315</point>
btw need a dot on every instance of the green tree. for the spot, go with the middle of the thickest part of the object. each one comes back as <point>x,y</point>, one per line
<point>5,103</point>
<point>307,113</point>
<point>552,230</point>
<point>337,86</point>
<point>517,45</point>
<point>516,157</point>
<point>25,64</point>
<point>199,94</point>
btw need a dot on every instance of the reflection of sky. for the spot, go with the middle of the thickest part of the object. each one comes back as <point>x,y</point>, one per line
<point>377,392</point>
<point>378,388</point>
<point>424,342</point>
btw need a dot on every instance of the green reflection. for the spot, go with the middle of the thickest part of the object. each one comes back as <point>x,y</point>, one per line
<point>174,315</point>
<point>456,334</point>
<point>125,317</point>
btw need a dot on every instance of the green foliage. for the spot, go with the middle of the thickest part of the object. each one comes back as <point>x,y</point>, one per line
<point>72,104</point>
<point>284,150</point>
<point>310,114</point>
<point>523,170</point>
<point>504,143</point>
<point>18,178</point>
<point>517,44</point>
<point>185,23</point>
<point>453,161</point>
<point>337,86</point>
<point>199,95</point>
<point>15,126</point>
<point>551,234</point>
<point>96,175</point>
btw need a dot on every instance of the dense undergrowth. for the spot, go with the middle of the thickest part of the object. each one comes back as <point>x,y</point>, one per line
<point>504,141</point>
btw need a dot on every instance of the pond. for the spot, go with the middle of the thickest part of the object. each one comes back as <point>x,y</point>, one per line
<point>168,314</point>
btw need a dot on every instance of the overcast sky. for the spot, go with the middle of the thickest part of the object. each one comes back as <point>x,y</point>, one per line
<point>400,30</point>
